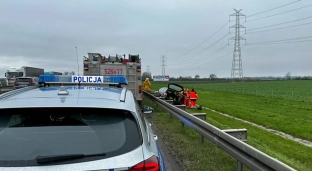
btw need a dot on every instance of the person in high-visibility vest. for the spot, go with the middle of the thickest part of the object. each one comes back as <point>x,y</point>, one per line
<point>185,96</point>
<point>147,84</point>
<point>193,99</point>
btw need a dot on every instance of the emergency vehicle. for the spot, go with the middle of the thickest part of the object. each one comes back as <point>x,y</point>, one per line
<point>97,65</point>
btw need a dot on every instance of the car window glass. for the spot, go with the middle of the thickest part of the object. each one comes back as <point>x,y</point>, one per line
<point>24,79</point>
<point>175,87</point>
<point>27,133</point>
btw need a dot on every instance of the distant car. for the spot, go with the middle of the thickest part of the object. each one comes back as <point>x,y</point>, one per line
<point>62,125</point>
<point>161,92</point>
<point>25,81</point>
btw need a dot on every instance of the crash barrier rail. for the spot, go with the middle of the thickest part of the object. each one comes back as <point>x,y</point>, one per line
<point>228,140</point>
<point>6,88</point>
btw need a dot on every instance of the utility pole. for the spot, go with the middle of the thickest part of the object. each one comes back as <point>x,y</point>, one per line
<point>163,64</point>
<point>77,60</point>
<point>237,68</point>
<point>148,68</point>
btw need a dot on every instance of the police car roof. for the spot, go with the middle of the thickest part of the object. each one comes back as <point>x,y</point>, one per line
<point>83,96</point>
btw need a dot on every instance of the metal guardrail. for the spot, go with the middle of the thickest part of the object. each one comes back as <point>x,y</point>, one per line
<point>245,154</point>
<point>6,88</point>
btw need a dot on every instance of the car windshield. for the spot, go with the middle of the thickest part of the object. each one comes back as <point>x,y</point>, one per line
<point>24,79</point>
<point>28,133</point>
<point>15,74</point>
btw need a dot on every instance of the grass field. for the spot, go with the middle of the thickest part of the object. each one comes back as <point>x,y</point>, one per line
<point>198,156</point>
<point>299,90</point>
<point>292,116</point>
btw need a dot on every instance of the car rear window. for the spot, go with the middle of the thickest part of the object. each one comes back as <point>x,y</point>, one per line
<point>28,133</point>
<point>24,79</point>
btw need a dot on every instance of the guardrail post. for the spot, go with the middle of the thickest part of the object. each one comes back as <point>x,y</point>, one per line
<point>170,102</point>
<point>201,116</point>
<point>183,107</point>
<point>162,98</point>
<point>240,134</point>
<point>240,166</point>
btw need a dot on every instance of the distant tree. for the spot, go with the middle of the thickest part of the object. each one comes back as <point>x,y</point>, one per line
<point>288,76</point>
<point>212,76</point>
<point>66,73</point>
<point>196,76</point>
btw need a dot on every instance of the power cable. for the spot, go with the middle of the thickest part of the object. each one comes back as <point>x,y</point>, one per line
<point>278,28</point>
<point>205,58</point>
<point>209,61</point>
<point>204,40</point>
<point>203,50</point>
<point>283,40</point>
<point>280,13</point>
<point>252,44</point>
<point>214,53</point>
<point>281,23</point>
<point>273,8</point>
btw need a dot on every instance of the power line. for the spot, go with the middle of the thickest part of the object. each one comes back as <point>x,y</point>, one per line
<point>280,42</point>
<point>204,40</point>
<point>274,8</point>
<point>280,13</point>
<point>197,61</point>
<point>281,23</point>
<point>306,37</point>
<point>203,50</point>
<point>278,28</point>
<point>209,61</point>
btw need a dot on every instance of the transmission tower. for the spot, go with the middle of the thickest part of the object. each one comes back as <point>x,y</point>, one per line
<point>237,68</point>
<point>163,64</point>
<point>148,68</point>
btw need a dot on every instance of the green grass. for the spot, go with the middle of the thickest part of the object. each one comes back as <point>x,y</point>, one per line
<point>194,155</point>
<point>198,156</point>
<point>299,90</point>
<point>289,116</point>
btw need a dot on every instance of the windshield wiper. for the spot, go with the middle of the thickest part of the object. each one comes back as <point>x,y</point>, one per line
<point>53,158</point>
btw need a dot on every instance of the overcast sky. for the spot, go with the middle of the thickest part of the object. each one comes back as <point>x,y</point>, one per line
<point>44,33</point>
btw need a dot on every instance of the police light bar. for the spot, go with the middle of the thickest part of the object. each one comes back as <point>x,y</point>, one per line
<point>68,79</point>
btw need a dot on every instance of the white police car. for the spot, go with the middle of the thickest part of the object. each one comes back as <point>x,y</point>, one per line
<point>76,123</point>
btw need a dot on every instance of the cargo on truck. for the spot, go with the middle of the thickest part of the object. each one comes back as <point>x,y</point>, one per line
<point>97,65</point>
<point>15,72</point>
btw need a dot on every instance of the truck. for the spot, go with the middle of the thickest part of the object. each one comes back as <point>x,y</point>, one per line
<point>97,65</point>
<point>53,73</point>
<point>15,72</point>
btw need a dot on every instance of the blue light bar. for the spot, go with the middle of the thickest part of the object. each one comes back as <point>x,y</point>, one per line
<point>67,79</point>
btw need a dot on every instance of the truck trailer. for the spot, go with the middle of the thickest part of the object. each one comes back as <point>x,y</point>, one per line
<point>15,72</point>
<point>97,65</point>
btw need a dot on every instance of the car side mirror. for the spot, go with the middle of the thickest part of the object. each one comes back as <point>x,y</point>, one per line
<point>147,109</point>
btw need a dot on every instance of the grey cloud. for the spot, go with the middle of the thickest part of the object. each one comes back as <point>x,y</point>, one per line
<point>45,33</point>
